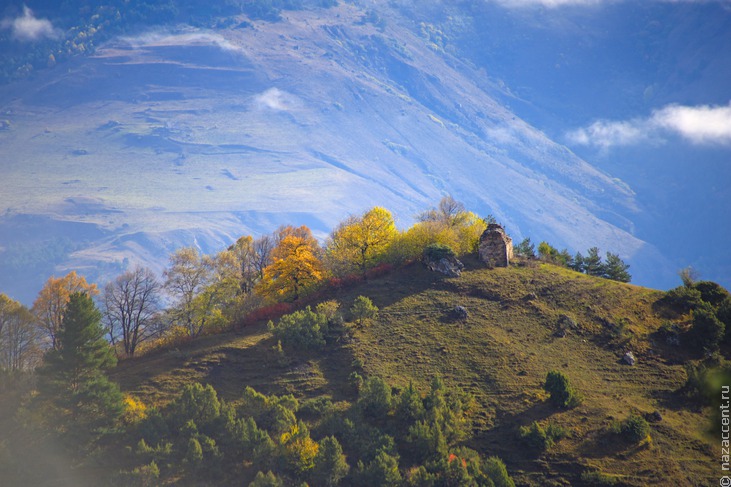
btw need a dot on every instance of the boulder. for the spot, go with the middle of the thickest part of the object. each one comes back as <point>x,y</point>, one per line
<point>460,313</point>
<point>629,358</point>
<point>449,266</point>
<point>654,417</point>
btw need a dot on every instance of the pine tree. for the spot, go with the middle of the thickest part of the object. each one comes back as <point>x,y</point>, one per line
<point>593,263</point>
<point>363,309</point>
<point>526,249</point>
<point>578,264</point>
<point>330,464</point>
<point>72,378</point>
<point>614,268</point>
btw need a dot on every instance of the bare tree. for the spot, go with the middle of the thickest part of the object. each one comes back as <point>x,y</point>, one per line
<point>20,337</point>
<point>449,213</point>
<point>263,247</point>
<point>689,276</point>
<point>131,303</point>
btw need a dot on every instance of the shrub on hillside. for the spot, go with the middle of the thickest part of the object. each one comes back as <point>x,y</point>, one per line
<point>303,329</point>
<point>331,311</point>
<point>363,310</point>
<point>266,480</point>
<point>267,313</point>
<point>498,473</point>
<point>598,478</point>
<point>634,429</point>
<point>682,298</point>
<point>379,270</point>
<point>437,251</point>
<point>562,393</point>
<point>711,292</point>
<point>275,413</point>
<point>539,438</point>
<point>707,330</point>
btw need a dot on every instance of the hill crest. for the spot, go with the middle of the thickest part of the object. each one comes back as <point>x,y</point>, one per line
<point>500,355</point>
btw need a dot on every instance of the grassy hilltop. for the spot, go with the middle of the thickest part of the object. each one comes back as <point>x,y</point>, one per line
<point>500,354</point>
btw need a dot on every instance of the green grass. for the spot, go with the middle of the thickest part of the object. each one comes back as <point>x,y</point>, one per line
<point>501,355</point>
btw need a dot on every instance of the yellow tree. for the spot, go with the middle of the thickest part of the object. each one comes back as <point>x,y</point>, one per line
<point>295,268</point>
<point>448,224</point>
<point>202,287</point>
<point>361,242</point>
<point>50,305</point>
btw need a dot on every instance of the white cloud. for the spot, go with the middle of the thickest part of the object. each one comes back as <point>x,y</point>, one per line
<point>703,124</point>
<point>605,134</point>
<point>276,99</point>
<point>28,28</point>
<point>189,38</point>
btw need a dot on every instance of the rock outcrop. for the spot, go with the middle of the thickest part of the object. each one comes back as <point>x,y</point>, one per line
<point>495,248</point>
<point>449,266</point>
<point>629,358</point>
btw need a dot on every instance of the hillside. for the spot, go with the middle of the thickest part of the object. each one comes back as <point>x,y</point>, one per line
<point>501,355</point>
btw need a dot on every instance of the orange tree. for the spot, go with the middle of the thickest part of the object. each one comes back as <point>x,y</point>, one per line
<point>295,268</point>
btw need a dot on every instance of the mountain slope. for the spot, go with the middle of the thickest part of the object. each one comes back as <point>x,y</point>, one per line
<point>501,355</point>
<point>190,136</point>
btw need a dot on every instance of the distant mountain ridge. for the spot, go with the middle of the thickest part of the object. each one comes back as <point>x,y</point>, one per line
<point>190,136</point>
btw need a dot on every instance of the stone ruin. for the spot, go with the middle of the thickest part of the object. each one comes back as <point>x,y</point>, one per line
<point>495,248</point>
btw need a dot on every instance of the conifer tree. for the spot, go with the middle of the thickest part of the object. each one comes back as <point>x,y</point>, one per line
<point>614,268</point>
<point>593,263</point>
<point>72,380</point>
<point>363,310</point>
<point>330,464</point>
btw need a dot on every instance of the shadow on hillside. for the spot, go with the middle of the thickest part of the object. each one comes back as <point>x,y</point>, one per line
<point>501,439</point>
<point>607,444</point>
<point>386,290</point>
<point>304,373</point>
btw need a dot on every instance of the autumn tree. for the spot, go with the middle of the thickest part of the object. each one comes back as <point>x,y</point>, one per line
<point>72,377</point>
<point>361,242</point>
<point>131,303</point>
<point>295,268</point>
<point>50,305</point>
<point>448,224</point>
<point>302,232</point>
<point>201,286</point>
<point>19,336</point>
<point>213,303</point>
<point>186,277</point>
<point>253,256</point>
